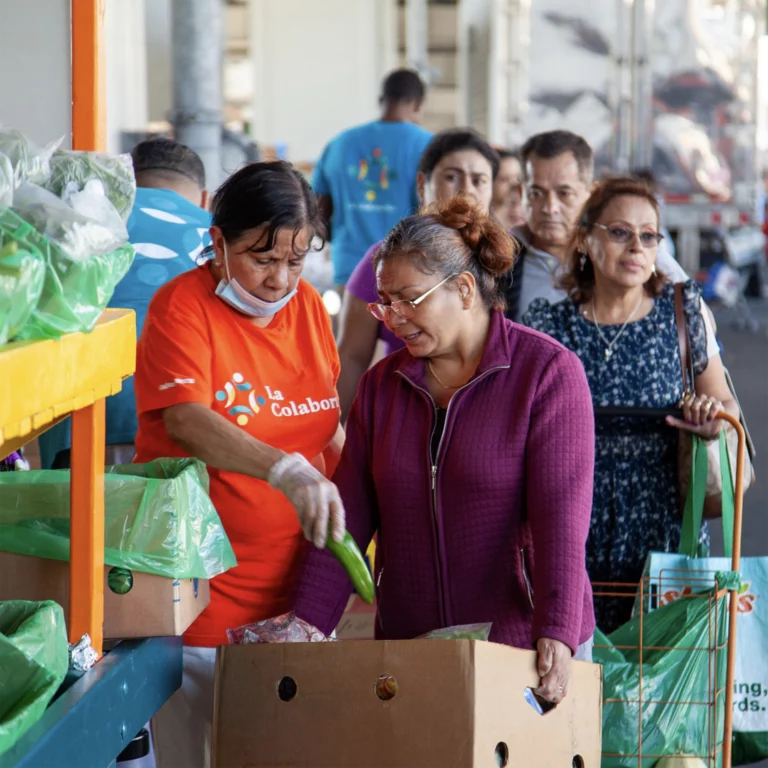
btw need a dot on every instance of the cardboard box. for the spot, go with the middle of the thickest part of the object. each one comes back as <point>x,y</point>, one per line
<point>398,704</point>
<point>154,606</point>
<point>358,621</point>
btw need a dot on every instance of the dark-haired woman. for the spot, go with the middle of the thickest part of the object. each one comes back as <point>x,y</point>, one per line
<point>469,454</point>
<point>237,366</point>
<point>456,161</point>
<point>620,320</point>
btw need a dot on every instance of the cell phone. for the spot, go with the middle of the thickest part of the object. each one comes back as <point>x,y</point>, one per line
<point>542,706</point>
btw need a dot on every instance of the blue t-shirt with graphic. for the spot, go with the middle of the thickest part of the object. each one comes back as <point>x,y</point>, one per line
<point>370,174</point>
<point>169,234</point>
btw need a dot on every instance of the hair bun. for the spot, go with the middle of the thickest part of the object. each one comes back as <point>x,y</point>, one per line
<point>493,248</point>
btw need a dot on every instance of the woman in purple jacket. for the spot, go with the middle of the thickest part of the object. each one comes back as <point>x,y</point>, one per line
<point>470,454</point>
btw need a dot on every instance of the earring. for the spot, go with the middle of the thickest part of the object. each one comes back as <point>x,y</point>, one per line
<point>653,269</point>
<point>583,261</point>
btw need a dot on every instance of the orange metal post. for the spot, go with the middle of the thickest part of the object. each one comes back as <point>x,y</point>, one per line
<point>733,613</point>
<point>86,575</point>
<point>88,75</point>
<point>86,583</point>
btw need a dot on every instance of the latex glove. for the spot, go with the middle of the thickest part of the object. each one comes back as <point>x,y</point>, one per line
<point>315,498</point>
<point>699,416</point>
<point>554,669</point>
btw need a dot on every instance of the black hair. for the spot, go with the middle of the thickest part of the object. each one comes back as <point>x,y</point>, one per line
<point>402,86</point>
<point>455,237</point>
<point>260,194</point>
<point>555,143</point>
<point>507,153</point>
<point>456,140</point>
<point>161,155</point>
<point>645,175</point>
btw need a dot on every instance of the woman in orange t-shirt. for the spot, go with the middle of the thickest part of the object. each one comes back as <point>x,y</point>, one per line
<point>237,366</point>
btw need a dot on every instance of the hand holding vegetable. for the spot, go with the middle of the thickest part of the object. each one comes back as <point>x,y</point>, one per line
<point>315,498</point>
<point>554,668</point>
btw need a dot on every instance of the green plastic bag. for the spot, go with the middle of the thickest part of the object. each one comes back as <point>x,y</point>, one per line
<point>84,259</point>
<point>159,518</point>
<point>34,658</point>
<point>688,630</point>
<point>22,272</point>
<point>750,701</point>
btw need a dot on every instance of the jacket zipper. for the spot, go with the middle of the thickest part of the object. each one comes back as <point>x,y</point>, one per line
<point>526,579</point>
<point>378,597</point>
<point>434,468</point>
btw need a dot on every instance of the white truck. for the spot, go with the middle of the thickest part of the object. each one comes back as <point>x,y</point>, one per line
<point>664,84</point>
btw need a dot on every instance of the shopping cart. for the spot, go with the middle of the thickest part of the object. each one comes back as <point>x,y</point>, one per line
<point>683,585</point>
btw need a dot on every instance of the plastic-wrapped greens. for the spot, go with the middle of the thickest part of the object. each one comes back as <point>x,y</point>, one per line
<point>28,161</point>
<point>85,260</point>
<point>70,172</point>
<point>22,273</point>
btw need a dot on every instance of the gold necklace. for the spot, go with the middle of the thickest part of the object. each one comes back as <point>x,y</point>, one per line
<point>437,378</point>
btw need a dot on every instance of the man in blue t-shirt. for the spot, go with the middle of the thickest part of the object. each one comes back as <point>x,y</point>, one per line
<point>168,227</point>
<point>366,176</point>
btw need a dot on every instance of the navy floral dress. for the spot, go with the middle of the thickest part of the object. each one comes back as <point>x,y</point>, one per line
<point>636,503</point>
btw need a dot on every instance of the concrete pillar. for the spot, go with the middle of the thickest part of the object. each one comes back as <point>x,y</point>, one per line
<point>197,40</point>
<point>416,36</point>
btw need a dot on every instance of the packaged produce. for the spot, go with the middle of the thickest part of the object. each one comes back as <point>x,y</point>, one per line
<point>22,273</point>
<point>287,628</point>
<point>28,161</point>
<point>84,262</point>
<point>71,172</point>
<point>462,632</point>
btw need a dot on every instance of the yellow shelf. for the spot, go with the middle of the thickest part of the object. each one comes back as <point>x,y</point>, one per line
<point>42,381</point>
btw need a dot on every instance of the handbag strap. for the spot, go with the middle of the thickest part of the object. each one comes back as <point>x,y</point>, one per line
<point>683,341</point>
<point>693,513</point>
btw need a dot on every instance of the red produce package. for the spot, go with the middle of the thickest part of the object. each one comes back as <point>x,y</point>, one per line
<point>281,629</point>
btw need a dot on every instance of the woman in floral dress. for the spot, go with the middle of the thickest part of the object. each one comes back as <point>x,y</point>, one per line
<point>619,319</point>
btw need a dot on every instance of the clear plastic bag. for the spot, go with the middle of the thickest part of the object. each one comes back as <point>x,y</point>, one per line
<point>84,262</point>
<point>7,184</point>
<point>72,171</point>
<point>28,161</point>
<point>77,234</point>
<point>92,202</point>
<point>159,518</point>
<point>462,632</point>
<point>22,273</point>
<point>287,628</point>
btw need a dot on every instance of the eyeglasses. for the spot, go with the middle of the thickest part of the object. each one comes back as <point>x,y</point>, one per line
<point>624,235</point>
<point>403,307</point>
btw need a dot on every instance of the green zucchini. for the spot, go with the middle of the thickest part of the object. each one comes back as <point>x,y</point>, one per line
<point>348,554</point>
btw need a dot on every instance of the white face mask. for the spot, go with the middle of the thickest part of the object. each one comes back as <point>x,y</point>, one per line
<point>238,298</point>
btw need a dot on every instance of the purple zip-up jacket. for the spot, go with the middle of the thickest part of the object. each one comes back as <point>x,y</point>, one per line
<point>495,530</point>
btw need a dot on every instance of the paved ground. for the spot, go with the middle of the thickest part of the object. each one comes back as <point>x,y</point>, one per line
<point>746,356</point>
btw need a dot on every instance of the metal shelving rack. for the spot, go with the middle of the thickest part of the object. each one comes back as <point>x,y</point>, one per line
<point>42,382</point>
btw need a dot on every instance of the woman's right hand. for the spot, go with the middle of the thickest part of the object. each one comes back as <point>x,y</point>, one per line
<point>315,498</point>
<point>699,416</point>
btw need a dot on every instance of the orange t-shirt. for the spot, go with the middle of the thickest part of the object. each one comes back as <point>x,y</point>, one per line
<point>278,384</point>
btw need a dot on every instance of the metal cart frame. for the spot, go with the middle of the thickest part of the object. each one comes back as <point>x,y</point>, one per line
<point>705,582</point>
